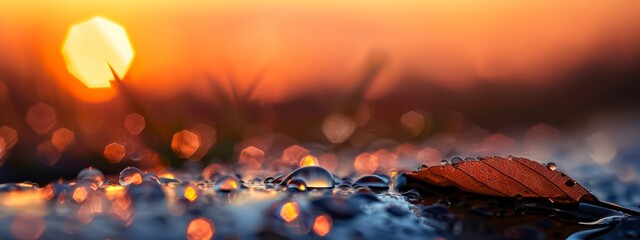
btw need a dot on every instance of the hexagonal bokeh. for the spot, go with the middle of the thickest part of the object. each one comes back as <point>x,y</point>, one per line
<point>109,46</point>
<point>48,153</point>
<point>41,118</point>
<point>3,148</point>
<point>293,154</point>
<point>62,137</point>
<point>338,127</point>
<point>114,152</point>
<point>185,143</point>
<point>251,157</point>
<point>9,135</point>
<point>365,163</point>
<point>413,121</point>
<point>387,161</point>
<point>134,123</point>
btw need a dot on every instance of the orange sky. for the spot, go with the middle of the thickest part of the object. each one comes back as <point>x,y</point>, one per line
<point>307,45</point>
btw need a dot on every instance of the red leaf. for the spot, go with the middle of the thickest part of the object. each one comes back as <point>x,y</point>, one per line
<point>507,177</point>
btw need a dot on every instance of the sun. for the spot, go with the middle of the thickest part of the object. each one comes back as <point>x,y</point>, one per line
<point>92,47</point>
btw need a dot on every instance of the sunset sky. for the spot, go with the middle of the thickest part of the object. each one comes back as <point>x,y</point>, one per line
<point>303,46</point>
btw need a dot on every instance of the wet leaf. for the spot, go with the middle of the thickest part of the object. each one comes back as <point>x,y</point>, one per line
<point>507,177</point>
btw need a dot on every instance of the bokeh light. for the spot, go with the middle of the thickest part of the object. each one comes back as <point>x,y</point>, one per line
<point>93,48</point>
<point>322,225</point>
<point>62,138</point>
<point>185,143</point>
<point>293,154</point>
<point>200,229</point>
<point>365,163</point>
<point>41,118</point>
<point>289,211</point>
<point>338,127</point>
<point>309,161</point>
<point>9,135</point>
<point>114,152</point>
<point>134,123</point>
<point>251,158</point>
<point>48,153</point>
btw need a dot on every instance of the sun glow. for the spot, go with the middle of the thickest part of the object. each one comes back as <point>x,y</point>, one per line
<point>93,48</point>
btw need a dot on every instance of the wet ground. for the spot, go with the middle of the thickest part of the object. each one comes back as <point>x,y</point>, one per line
<point>308,202</point>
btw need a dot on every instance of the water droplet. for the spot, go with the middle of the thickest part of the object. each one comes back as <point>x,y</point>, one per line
<point>518,196</point>
<point>91,174</point>
<point>570,183</point>
<point>151,177</point>
<point>212,172</point>
<point>312,176</point>
<point>456,160</point>
<point>227,184</point>
<point>185,143</point>
<point>200,228</point>
<point>268,180</point>
<point>373,182</point>
<point>251,158</point>
<point>443,162</point>
<point>297,185</point>
<point>130,175</point>
<point>552,166</point>
<point>166,181</point>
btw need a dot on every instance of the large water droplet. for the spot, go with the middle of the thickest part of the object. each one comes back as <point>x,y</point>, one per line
<point>456,160</point>
<point>312,176</point>
<point>151,177</point>
<point>130,175</point>
<point>212,172</point>
<point>372,181</point>
<point>91,174</point>
<point>297,185</point>
<point>227,184</point>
